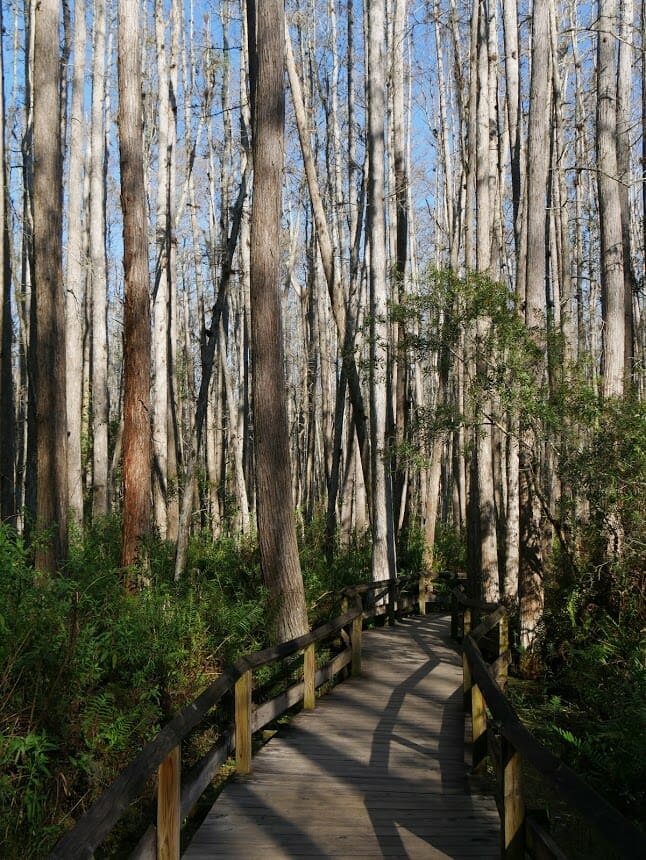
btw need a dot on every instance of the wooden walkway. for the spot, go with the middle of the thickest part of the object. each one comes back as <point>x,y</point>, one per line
<point>377,770</point>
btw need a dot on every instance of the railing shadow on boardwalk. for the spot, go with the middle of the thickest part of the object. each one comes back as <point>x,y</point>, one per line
<point>450,741</point>
<point>380,769</point>
<point>177,796</point>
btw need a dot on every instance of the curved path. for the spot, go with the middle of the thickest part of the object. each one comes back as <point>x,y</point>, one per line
<point>377,770</point>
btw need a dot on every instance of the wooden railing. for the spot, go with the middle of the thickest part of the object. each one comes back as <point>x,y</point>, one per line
<point>498,733</point>
<point>176,796</point>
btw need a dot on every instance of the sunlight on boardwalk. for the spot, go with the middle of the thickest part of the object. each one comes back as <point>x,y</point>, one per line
<point>377,770</point>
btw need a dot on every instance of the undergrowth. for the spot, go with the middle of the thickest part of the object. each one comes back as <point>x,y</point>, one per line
<point>91,671</point>
<point>588,704</point>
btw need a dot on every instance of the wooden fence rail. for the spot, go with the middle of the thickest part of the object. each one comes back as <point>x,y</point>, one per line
<point>498,733</point>
<point>162,756</point>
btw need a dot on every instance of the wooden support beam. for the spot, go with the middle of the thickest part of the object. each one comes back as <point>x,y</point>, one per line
<point>168,806</point>
<point>243,723</point>
<point>513,806</point>
<point>466,682</point>
<point>356,645</point>
<point>478,728</point>
<point>466,622</point>
<point>309,677</point>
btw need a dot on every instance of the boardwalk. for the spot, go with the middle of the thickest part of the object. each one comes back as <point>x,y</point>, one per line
<point>377,770</point>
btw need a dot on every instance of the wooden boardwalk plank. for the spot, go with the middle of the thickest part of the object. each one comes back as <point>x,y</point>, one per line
<point>377,770</point>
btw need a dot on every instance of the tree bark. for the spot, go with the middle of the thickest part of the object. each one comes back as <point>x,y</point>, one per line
<point>624,91</point>
<point>100,400</point>
<point>276,526</point>
<point>49,334</point>
<point>530,572</point>
<point>7,403</point>
<point>383,539</point>
<point>75,281</point>
<point>161,293</point>
<point>344,322</point>
<point>612,264</point>
<point>400,363</point>
<point>484,443</point>
<point>136,406</point>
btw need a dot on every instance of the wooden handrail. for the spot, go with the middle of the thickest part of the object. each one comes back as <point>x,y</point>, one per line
<point>163,751</point>
<point>482,693</point>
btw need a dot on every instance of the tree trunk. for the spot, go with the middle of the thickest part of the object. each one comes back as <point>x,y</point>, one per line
<point>100,402</point>
<point>75,281</point>
<point>161,294</point>
<point>624,91</point>
<point>400,363</point>
<point>612,264</point>
<point>49,334</point>
<point>383,539</point>
<point>276,526</point>
<point>136,402</point>
<point>343,320</point>
<point>530,572</point>
<point>484,443</point>
<point>7,403</point>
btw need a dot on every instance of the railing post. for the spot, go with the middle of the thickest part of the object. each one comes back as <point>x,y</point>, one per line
<point>243,723</point>
<point>466,682</point>
<point>168,805</point>
<point>356,645</point>
<point>392,601</point>
<point>513,808</point>
<point>466,669</point>
<point>478,728</point>
<point>309,677</point>
<point>422,593</point>
<point>454,616</point>
<point>503,641</point>
<point>466,622</point>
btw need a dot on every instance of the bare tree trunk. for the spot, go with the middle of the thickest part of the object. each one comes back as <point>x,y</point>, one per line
<point>75,280</point>
<point>100,403</point>
<point>161,295</point>
<point>235,440</point>
<point>137,509</point>
<point>400,362</point>
<point>344,324</point>
<point>173,408</point>
<point>624,91</point>
<point>612,264</point>
<point>514,106</point>
<point>7,403</point>
<point>276,526</point>
<point>530,573</point>
<point>49,334</point>
<point>484,454</point>
<point>514,118</point>
<point>383,539</point>
<point>205,384</point>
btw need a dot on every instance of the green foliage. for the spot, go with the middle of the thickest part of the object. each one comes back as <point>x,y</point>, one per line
<point>589,705</point>
<point>609,471</point>
<point>450,551</point>
<point>441,320</point>
<point>92,670</point>
<point>410,550</point>
<point>350,563</point>
<point>589,702</point>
